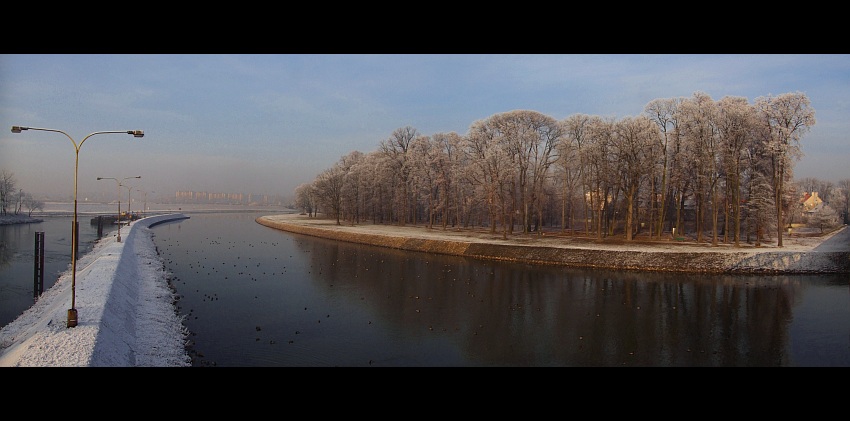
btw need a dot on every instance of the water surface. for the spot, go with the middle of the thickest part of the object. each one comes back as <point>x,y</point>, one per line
<point>17,258</point>
<point>256,296</point>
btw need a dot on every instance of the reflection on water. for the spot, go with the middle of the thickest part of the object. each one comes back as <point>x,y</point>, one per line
<point>255,296</point>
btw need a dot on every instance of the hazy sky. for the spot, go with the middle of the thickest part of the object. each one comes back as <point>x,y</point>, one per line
<point>267,123</point>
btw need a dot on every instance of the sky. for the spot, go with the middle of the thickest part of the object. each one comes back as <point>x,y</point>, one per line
<point>267,123</point>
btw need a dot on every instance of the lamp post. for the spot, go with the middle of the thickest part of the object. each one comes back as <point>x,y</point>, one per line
<point>129,214</point>
<point>145,206</point>
<point>72,312</point>
<point>118,182</point>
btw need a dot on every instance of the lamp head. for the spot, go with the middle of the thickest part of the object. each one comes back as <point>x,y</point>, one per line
<point>18,129</point>
<point>136,133</point>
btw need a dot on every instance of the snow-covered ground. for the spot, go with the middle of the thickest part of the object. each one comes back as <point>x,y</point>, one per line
<point>125,312</point>
<point>801,252</point>
<point>17,219</point>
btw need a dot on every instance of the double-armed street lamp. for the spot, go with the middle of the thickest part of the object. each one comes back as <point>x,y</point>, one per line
<point>118,182</point>
<point>129,214</point>
<point>72,312</point>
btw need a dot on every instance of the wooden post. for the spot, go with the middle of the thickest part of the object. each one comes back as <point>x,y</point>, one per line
<point>38,266</point>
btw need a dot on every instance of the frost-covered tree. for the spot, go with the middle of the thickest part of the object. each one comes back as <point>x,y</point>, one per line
<point>827,191</point>
<point>843,205</point>
<point>19,200</point>
<point>699,118</point>
<point>600,170</point>
<point>449,180</point>
<point>377,186</point>
<point>329,190</point>
<point>825,188</point>
<point>351,199</point>
<point>824,216</point>
<point>32,204</point>
<point>631,146</point>
<point>493,171</point>
<point>569,166</point>
<point>735,124</point>
<point>425,158</point>
<point>521,166</point>
<point>759,207</point>
<point>664,112</point>
<point>529,139</point>
<point>787,118</point>
<point>469,203</point>
<point>544,153</point>
<point>681,171</point>
<point>396,149</point>
<point>305,199</point>
<point>7,190</point>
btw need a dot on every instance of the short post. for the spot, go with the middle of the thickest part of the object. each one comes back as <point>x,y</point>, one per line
<point>38,266</point>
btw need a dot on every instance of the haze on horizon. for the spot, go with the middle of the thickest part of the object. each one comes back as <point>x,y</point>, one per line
<point>264,124</point>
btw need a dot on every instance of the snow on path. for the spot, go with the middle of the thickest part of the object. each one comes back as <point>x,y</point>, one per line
<point>125,311</point>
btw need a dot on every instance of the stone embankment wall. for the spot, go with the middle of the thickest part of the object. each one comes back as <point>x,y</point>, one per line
<point>726,261</point>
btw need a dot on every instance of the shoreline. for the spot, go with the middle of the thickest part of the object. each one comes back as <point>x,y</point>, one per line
<point>18,219</point>
<point>829,253</point>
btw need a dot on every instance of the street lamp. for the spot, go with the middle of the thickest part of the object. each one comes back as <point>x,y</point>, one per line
<point>145,206</point>
<point>129,214</point>
<point>118,182</point>
<point>72,312</point>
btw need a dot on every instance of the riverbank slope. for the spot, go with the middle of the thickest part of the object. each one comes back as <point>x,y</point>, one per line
<point>829,253</point>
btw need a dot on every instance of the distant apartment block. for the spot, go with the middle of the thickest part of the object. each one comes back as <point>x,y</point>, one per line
<point>226,198</point>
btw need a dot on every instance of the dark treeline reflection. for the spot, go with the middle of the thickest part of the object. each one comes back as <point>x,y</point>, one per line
<point>523,315</point>
<point>255,296</point>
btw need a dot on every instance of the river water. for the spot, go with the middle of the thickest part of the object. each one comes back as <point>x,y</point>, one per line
<point>17,258</point>
<point>17,245</point>
<point>255,296</point>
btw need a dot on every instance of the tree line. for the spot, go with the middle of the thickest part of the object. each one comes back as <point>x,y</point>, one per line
<point>726,166</point>
<point>13,199</point>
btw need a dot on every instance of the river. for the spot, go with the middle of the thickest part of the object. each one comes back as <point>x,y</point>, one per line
<point>253,296</point>
<point>17,259</point>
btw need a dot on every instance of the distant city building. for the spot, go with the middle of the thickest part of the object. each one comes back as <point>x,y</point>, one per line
<point>227,198</point>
